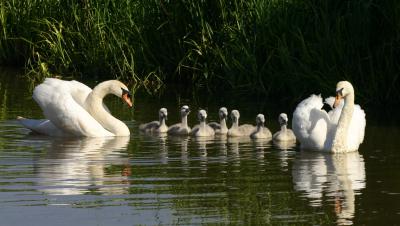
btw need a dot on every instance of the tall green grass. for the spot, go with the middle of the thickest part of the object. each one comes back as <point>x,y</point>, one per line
<point>283,49</point>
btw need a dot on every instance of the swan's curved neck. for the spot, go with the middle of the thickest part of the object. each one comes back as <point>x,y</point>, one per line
<point>283,128</point>
<point>94,105</point>
<point>340,140</point>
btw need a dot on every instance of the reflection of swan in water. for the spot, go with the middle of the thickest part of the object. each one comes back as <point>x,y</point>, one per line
<point>77,166</point>
<point>337,176</point>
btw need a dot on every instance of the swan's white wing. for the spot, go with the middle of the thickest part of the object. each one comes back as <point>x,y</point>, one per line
<point>41,126</point>
<point>311,125</point>
<point>319,130</point>
<point>58,105</point>
<point>301,123</point>
<point>357,128</point>
<point>80,91</point>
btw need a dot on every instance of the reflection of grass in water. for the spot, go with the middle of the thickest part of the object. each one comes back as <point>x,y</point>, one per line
<point>278,48</point>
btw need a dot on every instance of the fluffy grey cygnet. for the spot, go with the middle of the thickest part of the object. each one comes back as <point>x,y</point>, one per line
<point>285,134</point>
<point>261,132</point>
<point>220,128</point>
<point>181,128</point>
<point>202,129</point>
<point>156,126</point>
<point>236,130</point>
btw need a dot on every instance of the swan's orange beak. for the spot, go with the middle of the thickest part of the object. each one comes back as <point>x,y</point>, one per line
<point>127,99</point>
<point>337,100</point>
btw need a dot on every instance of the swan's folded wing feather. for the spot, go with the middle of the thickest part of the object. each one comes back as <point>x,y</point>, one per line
<point>80,91</point>
<point>58,105</point>
<point>301,122</point>
<point>41,126</point>
<point>318,131</point>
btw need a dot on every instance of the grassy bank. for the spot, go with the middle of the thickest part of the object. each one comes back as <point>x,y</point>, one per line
<point>279,48</point>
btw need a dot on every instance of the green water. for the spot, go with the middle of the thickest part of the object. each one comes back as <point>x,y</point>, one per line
<point>150,180</point>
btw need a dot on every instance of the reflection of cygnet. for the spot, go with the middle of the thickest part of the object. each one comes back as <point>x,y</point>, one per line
<point>236,130</point>
<point>202,130</point>
<point>220,128</point>
<point>261,132</point>
<point>156,126</point>
<point>285,134</point>
<point>181,128</point>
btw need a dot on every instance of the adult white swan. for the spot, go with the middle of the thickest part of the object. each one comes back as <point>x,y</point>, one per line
<point>339,130</point>
<point>73,109</point>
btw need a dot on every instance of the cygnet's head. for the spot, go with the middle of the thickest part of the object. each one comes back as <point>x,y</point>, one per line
<point>223,113</point>
<point>343,88</point>
<point>185,110</point>
<point>163,113</point>
<point>235,115</point>
<point>202,115</point>
<point>283,119</point>
<point>260,119</point>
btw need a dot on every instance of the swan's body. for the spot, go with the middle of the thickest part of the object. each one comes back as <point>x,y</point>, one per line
<point>261,131</point>
<point>285,134</point>
<point>181,128</point>
<point>239,131</point>
<point>73,109</point>
<point>220,128</point>
<point>156,126</point>
<point>340,130</point>
<point>202,129</point>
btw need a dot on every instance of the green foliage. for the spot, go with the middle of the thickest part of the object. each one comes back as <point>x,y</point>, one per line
<point>280,48</point>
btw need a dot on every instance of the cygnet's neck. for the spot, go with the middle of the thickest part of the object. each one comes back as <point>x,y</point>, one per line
<point>184,121</point>
<point>223,124</point>
<point>260,127</point>
<point>203,124</point>
<point>283,127</point>
<point>235,123</point>
<point>340,140</point>
<point>94,106</point>
<point>162,121</point>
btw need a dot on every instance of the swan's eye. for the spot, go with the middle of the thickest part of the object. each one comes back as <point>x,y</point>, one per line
<point>124,91</point>
<point>339,92</point>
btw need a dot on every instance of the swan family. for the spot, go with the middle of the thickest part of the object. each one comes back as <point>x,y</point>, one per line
<point>72,109</point>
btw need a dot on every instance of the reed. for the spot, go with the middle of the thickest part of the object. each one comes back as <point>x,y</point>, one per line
<point>278,48</point>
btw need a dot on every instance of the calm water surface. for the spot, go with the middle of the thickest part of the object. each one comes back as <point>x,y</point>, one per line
<point>145,179</point>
